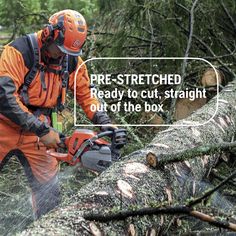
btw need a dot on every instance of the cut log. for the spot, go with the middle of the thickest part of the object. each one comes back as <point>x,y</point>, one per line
<point>209,79</point>
<point>132,184</point>
<point>185,107</point>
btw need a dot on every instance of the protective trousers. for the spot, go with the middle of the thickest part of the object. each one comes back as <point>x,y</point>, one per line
<point>40,169</point>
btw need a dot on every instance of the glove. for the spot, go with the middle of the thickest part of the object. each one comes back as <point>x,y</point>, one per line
<point>108,127</point>
<point>51,139</point>
<point>101,118</point>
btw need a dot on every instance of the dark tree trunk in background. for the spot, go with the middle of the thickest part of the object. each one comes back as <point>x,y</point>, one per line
<point>131,183</point>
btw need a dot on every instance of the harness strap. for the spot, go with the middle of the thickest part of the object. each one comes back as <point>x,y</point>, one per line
<point>32,72</point>
<point>36,66</point>
<point>65,79</point>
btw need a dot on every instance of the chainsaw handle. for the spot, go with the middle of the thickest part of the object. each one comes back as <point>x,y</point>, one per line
<point>110,132</point>
<point>105,133</point>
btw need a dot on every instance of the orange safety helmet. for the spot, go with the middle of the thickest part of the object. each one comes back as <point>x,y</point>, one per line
<point>68,30</point>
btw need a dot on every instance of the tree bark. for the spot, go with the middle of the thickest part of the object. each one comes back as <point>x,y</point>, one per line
<point>132,184</point>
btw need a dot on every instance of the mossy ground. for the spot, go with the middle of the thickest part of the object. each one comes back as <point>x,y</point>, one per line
<point>15,195</point>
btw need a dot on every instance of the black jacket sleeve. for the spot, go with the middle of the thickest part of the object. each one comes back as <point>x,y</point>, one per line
<point>10,108</point>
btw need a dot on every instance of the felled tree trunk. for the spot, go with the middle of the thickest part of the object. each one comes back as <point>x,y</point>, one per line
<point>132,184</point>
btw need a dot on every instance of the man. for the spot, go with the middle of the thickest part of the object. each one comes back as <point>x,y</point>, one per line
<point>35,72</point>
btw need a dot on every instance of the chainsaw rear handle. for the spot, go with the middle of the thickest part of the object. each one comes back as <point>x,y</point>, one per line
<point>105,133</point>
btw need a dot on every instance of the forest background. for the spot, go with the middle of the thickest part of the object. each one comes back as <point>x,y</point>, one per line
<point>124,28</point>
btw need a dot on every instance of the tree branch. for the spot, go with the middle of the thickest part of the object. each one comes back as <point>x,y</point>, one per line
<point>175,210</point>
<point>228,15</point>
<point>184,64</point>
<point>129,36</point>
<point>16,22</point>
<point>200,41</point>
<point>211,191</point>
<point>164,159</point>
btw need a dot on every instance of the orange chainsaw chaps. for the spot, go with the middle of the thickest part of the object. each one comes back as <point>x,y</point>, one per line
<point>43,166</point>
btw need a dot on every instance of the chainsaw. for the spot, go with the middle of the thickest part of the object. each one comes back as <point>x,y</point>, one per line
<point>90,149</point>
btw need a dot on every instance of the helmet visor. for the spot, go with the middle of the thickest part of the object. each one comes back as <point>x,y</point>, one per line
<point>69,52</point>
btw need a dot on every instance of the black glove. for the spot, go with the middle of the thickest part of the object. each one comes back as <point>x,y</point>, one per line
<point>108,127</point>
<point>101,118</point>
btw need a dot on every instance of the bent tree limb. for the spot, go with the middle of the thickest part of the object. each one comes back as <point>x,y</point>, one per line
<point>163,159</point>
<point>175,210</point>
<point>132,184</point>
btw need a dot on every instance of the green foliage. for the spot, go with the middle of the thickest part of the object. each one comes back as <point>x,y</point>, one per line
<point>24,16</point>
<point>161,28</point>
<point>11,11</point>
<point>150,28</point>
<point>86,7</point>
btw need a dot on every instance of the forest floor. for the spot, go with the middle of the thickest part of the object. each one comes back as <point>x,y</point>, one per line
<point>15,195</point>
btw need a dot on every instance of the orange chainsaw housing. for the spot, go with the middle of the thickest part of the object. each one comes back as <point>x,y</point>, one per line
<point>73,144</point>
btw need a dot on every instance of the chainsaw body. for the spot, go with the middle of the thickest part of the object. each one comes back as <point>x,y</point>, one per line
<point>90,149</point>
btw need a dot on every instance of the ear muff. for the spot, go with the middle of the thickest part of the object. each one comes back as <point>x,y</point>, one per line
<point>47,34</point>
<point>50,31</point>
<point>59,40</point>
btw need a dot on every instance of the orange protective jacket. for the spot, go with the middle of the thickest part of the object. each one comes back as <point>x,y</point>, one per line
<point>15,62</point>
